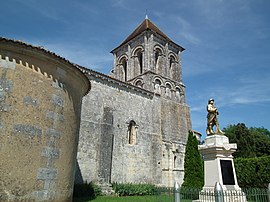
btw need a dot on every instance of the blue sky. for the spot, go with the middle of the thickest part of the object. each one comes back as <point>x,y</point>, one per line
<point>227,44</point>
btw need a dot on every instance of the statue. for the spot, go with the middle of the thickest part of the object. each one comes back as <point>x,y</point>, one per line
<point>212,119</point>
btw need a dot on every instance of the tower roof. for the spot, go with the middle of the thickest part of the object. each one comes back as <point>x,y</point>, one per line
<point>144,26</point>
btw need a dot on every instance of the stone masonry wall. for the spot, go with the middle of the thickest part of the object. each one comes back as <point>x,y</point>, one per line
<point>35,114</point>
<point>39,125</point>
<point>104,152</point>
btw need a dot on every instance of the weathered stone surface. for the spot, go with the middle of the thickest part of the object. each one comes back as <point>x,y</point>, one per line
<point>57,100</point>
<point>53,132</point>
<point>27,130</point>
<point>50,152</point>
<point>54,116</point>
<point>47,174</point>
<point>28,100</point>
<point>104,154</point>
<point>32,124</point>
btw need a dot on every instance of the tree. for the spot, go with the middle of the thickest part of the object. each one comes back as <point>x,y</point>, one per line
<point>193,164</point>
<point>251,142</point>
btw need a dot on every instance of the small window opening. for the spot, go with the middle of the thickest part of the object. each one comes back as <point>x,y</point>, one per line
<point>168,90</point>
<point>172,60</point>
<point>132,133</point>
<point>124,63</point>
<point>139,83</point>
<point>157,54</point>
<point>140,58</point>
<point>157,86</point>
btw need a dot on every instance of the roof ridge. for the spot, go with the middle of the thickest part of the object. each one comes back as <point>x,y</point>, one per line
<point>146,24</point>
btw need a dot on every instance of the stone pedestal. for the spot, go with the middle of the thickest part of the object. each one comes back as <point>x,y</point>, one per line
<point>219,167</point>
<point>218,163</point>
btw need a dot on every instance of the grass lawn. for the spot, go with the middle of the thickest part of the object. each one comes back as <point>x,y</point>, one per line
<point>159,198</point>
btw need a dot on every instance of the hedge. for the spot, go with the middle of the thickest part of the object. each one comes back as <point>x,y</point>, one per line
<point>130,189</point>
<point>253,172</point>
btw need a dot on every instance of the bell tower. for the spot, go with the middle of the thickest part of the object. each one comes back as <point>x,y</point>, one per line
<point>149,59</point>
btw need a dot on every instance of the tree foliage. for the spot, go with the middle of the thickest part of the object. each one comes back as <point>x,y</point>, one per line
<point>193,164</point>
<point>251,142</point>
<point>253,172</point>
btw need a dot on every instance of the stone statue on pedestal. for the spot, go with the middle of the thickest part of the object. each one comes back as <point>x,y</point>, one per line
<point>212,119</point>
<point>218,163</point>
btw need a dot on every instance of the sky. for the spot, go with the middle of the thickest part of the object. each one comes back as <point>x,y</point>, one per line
<point>227,44</point>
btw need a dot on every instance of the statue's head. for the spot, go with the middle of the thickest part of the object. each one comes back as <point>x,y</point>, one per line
<point>211,100</point>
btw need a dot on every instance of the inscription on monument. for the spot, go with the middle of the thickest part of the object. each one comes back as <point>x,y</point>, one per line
<point>227,172</point>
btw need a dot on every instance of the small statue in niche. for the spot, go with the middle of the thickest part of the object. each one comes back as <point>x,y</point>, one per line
<point>212,119</point>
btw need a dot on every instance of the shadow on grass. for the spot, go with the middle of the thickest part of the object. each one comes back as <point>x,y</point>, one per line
<point>82,199</point>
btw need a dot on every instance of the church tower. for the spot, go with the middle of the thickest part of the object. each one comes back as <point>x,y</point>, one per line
<point>149,59</point>
<point>135,122</point>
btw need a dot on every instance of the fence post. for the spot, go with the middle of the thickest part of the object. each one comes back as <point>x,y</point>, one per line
<point>176,192</point>
<point>268,192</point>
<point>218,193</point>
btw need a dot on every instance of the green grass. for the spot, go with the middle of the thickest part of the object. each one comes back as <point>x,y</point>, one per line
<point>127,199</point>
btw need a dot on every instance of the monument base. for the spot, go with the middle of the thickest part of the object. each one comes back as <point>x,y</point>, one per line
<point>219,167</point>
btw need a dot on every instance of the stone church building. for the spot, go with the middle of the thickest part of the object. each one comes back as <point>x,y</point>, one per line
<point>135,122</point>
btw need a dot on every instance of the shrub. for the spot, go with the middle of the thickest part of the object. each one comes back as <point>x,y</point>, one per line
<point>193,164</point>
<point>86,189</point>
<point>253,172</point>
<point>130,189</point>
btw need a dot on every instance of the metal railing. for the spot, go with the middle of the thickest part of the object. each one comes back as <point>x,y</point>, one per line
<point>178,194</point>
<point>181,194</point>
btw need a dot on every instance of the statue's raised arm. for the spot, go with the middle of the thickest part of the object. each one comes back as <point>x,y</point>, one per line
<point>212,119</point>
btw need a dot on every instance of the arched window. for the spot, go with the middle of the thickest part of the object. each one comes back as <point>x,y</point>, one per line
<point>139,83</point>
<point>172,60</point>
<point>172,67</point>
<point>157,86</point>
<point>138,61</point>
<point>178,94</point>
<point>123,64</point>
<point>168,90</point>
<point>174,162</point>
<point>132,132</point>
<point>158,61</point>
<point>140,58</point>
<point>157,54</point>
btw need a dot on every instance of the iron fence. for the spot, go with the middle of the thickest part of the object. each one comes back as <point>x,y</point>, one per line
<point>188,195</point>
<point>178,194</point>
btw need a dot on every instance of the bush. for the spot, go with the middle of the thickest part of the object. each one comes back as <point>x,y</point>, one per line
<point>86,189</point>
<point>130,189</point>
<point>253,172</point>
<point>193,164</point>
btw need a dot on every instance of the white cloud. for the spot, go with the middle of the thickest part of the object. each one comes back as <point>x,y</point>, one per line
<point>247,90</point>
<point>89,58</point>
<point>185,30</point>
<point>76,52</point>
<point>120,3</point>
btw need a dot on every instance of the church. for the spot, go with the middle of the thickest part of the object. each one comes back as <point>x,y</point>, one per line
<point>135,121</point>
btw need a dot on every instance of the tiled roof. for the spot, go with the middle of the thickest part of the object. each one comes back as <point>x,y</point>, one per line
<point>144,26</point>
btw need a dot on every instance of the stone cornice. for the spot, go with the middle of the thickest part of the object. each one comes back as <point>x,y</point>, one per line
<point>84,70</point>
<point>165,78</point>
<point>114,81</point>
<point>11,44</point>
